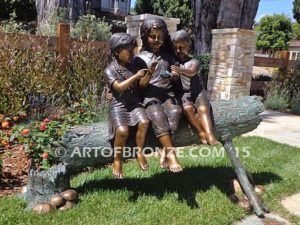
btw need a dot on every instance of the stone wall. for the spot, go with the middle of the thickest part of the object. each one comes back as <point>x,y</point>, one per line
<point>232,59</point>
<point>134,23</point>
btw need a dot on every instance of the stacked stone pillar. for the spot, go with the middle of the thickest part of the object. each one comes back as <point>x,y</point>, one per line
<point>232,59</point>
<point>134,23</point>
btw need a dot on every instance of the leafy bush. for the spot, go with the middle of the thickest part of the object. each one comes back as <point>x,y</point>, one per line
<point>87,27</point>
<point>24,9</point>
<point>14,27</point>
<point>204,67</point>
<point>49,27</point>
<point>91,28</point>
<point>41,138</point>
<point>286,82</point>
<point>295,106</point>
<point>31,81</point>
<point>276,101</point>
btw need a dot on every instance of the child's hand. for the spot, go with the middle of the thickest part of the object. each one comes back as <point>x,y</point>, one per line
<point>141,73</point>
<point>175,69</point>
<point>153,67</point>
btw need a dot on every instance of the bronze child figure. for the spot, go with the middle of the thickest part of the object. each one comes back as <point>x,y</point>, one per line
<point>195,103</point>
<point>156,88</point>
<point>125,109</point>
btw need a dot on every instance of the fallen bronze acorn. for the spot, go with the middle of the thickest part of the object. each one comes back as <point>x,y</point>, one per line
<point>69,195</point>
<point>43,207</point>
<point>68,205</point>
<point>57,201</point>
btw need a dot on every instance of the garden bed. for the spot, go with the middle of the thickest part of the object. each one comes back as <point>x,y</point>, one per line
<point>15,170</point>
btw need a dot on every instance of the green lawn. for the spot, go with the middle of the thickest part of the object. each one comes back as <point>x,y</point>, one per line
<point>195,196</point>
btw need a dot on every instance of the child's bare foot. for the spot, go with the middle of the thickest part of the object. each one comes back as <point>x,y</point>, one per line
<point>211,140</point>
<point>173,164</point>
<point>162,159</point>
<point>117,169</point>
<point>142,161</point>
<point>202,137</point>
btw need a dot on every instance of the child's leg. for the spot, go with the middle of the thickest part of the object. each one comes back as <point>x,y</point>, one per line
<point>203,112</point>
<point>121,137</point>
<point>173,163</point>
<point>140,141</point>
<point>190,114</point>
<point>161,129</point>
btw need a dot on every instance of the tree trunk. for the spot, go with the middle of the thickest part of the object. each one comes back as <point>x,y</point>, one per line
<point>220,14</point>
<point>44,8</point>
<point>88,146</point>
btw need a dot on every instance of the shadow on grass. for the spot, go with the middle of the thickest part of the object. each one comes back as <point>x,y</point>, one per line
<point>186,183</point>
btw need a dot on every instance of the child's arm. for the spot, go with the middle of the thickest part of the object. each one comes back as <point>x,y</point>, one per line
<point>146,79</point>
<point>124,85</point>
<point>190,72</point>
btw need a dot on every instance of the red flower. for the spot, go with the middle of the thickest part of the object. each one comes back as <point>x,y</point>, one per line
<point>45,155</point>
<point>25,132</point>
<point>81,110</point>
<point>46,120</point>
<point>43,126</point>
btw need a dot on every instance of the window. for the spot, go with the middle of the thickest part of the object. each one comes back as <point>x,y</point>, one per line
<point>298,56</point>
<point>294,54</point>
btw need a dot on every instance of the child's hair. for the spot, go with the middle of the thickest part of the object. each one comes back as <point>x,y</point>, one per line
<point>119,41</point>
<point>182,35</point>
<point>157,23</point>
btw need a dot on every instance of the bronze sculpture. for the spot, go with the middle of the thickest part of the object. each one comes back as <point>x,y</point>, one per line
<point>159,97</point>
<point>194,100</point>
<point>125,109</point>
<point>242,117</point>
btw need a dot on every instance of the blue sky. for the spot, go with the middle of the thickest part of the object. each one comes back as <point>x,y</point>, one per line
<point>268,7</point>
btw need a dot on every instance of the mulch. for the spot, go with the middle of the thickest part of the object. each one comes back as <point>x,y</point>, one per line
<point>15,169</point>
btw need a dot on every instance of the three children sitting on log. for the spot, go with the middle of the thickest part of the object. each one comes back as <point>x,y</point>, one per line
<point>154,86</point>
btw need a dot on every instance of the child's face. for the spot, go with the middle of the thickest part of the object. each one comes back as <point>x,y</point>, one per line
<point>125,56</point>
<point>155,39</point>
<point>181,49</point>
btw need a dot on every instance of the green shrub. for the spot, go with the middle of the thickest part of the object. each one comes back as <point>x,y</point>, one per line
<point>14,27</point>
<point>87,27</point>
<point>276,101</point>
<point>24,9</point>
<point>49,27</point>
<point>91,28</point>
<point>286,82</point>
<point>31,81</point>
<point>204,67</point>
<point>295,106</point>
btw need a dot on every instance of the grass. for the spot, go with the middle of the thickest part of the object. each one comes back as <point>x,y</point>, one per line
<point>198,195</point>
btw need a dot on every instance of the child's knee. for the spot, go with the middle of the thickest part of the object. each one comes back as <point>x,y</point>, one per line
<point>122,132</point>
<point>144,124</point>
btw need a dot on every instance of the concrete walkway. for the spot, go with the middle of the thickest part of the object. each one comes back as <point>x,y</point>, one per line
<point>280,127</point>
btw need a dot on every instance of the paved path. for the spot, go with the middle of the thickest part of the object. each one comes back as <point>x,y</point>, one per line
<point>270,219</point>
<point>280,127</point>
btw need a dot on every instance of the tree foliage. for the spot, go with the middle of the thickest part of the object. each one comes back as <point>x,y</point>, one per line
<point>24,9</point>
<point>275,32</point>
<point>170,8</point>
<point>296,31</point>
<point>296,10</point>
<point>175,8</point>
<point>143,6</point>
